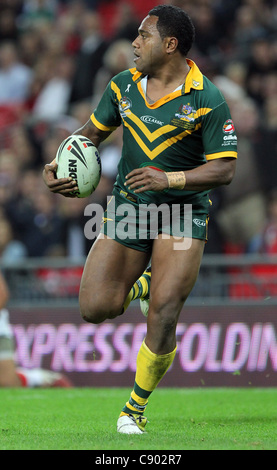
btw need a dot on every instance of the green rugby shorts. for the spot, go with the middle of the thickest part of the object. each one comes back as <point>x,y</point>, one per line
<point>136,225</point>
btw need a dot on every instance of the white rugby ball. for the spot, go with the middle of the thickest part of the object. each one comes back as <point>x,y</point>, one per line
<point>78,158</point>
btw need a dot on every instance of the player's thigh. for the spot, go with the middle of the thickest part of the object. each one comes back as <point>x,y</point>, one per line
<point>110,271</point>
<point>175,267</point>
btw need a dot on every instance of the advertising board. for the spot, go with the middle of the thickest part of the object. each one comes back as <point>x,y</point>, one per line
<point>217,346</point>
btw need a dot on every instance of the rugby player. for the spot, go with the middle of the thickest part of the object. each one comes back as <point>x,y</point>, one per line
<point>179,142</point>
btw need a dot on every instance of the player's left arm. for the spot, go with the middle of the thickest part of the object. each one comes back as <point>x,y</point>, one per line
<point>94,133</point>
<point>214,173</point>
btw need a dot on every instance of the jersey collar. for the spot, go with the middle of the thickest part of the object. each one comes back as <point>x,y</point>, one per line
<point>194,78</point>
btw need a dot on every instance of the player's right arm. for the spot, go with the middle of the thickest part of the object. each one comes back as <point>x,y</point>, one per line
<point>65,186</point>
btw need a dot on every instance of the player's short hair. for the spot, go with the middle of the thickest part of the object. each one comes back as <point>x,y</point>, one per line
<point>175,22</point>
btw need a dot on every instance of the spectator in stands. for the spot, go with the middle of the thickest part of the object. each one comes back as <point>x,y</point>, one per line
<point>38,12</point>
<point>90,57</point>
<point>8,26</point>
<point>15,77</point>
<point>30,46</point>
<point>125,21</point>
<point>249,26</point>
<point>9,177</point>
<point>21,148</point>
<point>11,250</point>
<point>262,64</point>
<point>53,99</point>
<point>266,146</point>
<point>242,212</point>
<point>265,244</point>
<point>236,71</point>
<point>207,38</point>
<point>76,244</point>
<point>37,223</point>
<point>265,241</point>
<point>269,237</point>
<point>119,56</point>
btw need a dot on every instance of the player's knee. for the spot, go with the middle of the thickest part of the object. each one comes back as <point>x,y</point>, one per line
<point>94,311</point>
<point>168,304</point>
<point>164,313</point>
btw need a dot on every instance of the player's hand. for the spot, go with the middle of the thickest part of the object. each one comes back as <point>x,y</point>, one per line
<point>146,179</point>
<point>62,186</point>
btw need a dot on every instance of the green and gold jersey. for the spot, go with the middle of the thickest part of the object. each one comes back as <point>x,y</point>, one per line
<point>181,131</point>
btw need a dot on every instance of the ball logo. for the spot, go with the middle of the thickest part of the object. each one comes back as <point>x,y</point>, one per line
<point>77,151</point>
<point>228,127</point>
<point>74,148</point>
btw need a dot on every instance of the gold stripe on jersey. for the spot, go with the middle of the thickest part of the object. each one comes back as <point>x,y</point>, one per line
<point>160,148</point>
<point>101,126</point>
<point>226,153</point>
<point>117,91</point>
<point>152,136</point>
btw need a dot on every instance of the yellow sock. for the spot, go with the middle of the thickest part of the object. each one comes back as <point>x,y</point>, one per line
<point>150,370</point>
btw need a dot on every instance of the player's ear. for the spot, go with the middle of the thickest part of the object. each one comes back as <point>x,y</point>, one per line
<point>171,45</point>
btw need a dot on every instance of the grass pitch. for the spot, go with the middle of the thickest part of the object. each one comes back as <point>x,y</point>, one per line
<point>179,419</point>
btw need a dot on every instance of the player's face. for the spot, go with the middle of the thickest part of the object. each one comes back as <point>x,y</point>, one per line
<point>148,46</point>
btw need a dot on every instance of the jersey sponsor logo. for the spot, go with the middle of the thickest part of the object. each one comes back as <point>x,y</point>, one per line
<point>228,127</point>
<point>151,120</point>
<point>229,140</point>
<point>199,222</point>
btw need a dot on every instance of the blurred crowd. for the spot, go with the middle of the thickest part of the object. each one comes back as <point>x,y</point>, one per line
<point>56,57</point>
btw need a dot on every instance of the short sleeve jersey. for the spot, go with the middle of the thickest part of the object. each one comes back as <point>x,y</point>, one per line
<point>181,131</point>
